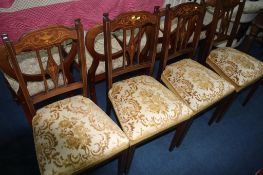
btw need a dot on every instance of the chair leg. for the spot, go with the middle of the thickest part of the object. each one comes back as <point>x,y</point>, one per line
<point>122,162</point>
<point>130,155</point>
<point>227,103</point>
<point>251,92</point>
<point>249,39</point>
<point>92,92</point>
<point>108,106</point>
<point>215,114</point>
<point>28,114</point>
<point>181,131</point>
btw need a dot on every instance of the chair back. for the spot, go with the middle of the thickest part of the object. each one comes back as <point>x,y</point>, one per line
<point>136,33</point>
<point>182,28</point>
<point>51,68</point>
<point>225,22</point>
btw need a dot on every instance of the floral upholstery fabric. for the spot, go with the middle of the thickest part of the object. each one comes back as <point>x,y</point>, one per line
<point>74,134</point>
<point>198,86</point>
<point>237,67</point>
<point>28,64</point>
<point>145,107</point>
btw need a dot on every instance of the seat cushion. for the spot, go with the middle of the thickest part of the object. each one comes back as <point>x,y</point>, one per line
<point>197,85</point>
<point>74,134</point>
<point>237,67</point>
<point>145,107</point>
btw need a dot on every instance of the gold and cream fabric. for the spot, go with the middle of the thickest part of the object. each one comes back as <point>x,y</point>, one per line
<point>74,134</point>
<point>145,107</point>
<point>197,85</point>
<point>237,67</point>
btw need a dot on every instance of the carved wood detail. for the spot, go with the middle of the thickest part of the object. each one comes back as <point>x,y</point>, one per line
<point>43,38</point>
<point>130,20</point>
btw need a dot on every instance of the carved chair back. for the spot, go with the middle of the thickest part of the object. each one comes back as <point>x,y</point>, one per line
<point>53,71</point>
<point>138,32</point>
<point>161,14</point>
<point>225,22</point>
<point>183,38</point>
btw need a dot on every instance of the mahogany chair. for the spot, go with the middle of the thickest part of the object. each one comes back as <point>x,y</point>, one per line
<point>144,107</point>
<point>198,86</point>
<point>239,68</point>
<point>72,134</point>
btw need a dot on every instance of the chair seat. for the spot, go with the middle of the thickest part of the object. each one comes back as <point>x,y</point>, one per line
<point>237,67</point>
<point>198,86</point>
<point>73,134</point>
<point>145,107</point>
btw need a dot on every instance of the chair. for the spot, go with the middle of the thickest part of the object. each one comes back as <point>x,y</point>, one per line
<point>143,106</point>
<point>71,134</point>
<point>198,86</point>
<point>240,69</point>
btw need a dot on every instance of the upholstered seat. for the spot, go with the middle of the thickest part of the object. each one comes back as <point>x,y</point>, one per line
<point>198,86</point>
<point>74,133</point>
<point>144,107</point>
<point>237,67</point>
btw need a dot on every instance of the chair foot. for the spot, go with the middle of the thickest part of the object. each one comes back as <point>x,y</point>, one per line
<point>181,131</point>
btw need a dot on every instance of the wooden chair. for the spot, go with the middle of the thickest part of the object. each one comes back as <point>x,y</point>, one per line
<point>143,106</point>
<point>198,86</point>
<point>72,134</point>
<point>239,68</point>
